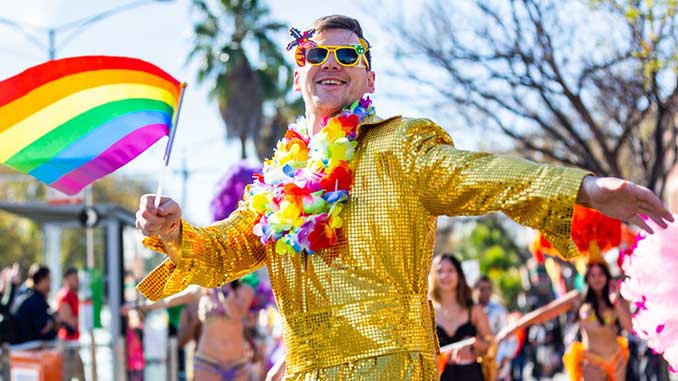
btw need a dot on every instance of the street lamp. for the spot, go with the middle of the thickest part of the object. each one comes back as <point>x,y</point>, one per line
<point>32,32</point>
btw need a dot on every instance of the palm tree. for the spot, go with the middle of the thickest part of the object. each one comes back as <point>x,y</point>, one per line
<point>227,42</point>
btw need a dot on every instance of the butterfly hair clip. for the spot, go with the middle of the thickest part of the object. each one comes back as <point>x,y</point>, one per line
<point>302,41</point>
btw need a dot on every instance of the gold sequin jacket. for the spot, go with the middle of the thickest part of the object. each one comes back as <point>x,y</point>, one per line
<point>359,310</point>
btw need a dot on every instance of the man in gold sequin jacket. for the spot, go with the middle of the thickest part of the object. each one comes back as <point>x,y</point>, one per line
<point>358,310</point>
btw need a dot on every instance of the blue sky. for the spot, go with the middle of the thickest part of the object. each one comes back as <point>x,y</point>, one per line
<point>160,33</point>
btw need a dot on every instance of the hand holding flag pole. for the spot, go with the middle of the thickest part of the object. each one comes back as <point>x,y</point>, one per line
<point>168,148</point>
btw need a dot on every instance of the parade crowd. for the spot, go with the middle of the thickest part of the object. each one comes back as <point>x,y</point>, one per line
<point>237,325</point>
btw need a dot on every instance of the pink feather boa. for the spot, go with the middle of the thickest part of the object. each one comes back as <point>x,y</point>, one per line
<point>652,287</point>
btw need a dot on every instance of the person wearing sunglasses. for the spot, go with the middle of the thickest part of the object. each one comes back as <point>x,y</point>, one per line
<point>347,55</point>
<point>344,216</point>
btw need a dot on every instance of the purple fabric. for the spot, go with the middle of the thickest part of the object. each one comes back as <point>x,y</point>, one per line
<point>218,308</point>
<point>225,374</point>
<point>263,297</point>
<point>229,190</point>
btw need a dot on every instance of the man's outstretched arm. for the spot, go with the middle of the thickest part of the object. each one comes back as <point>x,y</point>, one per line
<point>450,181</point>
<point>208,256</point>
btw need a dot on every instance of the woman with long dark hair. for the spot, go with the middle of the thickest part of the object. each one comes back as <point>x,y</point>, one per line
<point>602,354</point>
<point>458,318</point>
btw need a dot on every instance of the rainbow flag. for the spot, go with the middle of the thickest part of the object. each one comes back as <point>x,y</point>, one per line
<point>71,121</point>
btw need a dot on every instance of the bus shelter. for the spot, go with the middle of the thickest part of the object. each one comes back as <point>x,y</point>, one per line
<point>114,220</point>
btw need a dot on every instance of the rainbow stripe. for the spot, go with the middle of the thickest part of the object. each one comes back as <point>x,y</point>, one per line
<point>71,121</point>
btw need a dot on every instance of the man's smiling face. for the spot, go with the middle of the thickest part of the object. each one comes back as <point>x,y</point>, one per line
<point>328,87</point>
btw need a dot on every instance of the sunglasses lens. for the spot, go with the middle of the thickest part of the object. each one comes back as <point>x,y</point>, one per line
<point>347,56</point>
<point>316,55</point>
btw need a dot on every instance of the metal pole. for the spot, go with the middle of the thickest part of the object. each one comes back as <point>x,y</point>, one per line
<point>173,358</point>
<point>93,355</point>
<point>89,231</point>
<point>51,256</point>
<point>51,36</point>
<point>89,240</point>
<point>114,283</point>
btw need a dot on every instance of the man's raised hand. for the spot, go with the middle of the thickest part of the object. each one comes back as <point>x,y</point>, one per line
<point>162,222</point>
<point>623,200</point>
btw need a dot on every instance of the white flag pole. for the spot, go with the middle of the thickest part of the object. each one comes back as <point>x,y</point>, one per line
<point>168,148</point>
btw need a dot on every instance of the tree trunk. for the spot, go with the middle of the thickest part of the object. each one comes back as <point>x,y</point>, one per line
<point>243,147</point>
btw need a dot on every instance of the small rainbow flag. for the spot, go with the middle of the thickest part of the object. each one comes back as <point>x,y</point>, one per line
<point>71,121</point>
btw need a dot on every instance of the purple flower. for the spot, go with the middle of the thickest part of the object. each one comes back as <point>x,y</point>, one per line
<point>365,102</point>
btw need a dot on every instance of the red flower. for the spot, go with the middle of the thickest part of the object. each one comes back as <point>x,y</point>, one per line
<point>296,194</point>
<point>296,190</point>
<point>349,122</point>
<point>340,178</point>
<point>322,236</point>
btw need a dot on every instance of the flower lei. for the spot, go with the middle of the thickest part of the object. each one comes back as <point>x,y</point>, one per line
<point>302,190</point>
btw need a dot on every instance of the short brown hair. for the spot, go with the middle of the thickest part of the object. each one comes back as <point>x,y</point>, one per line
<point>342,22</point>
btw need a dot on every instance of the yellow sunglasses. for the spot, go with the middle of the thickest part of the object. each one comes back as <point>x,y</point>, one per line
<point>345,55</point>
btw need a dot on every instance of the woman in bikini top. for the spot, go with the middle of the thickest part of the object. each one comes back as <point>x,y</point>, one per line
<point>223,353</point>
<point>602,354</point>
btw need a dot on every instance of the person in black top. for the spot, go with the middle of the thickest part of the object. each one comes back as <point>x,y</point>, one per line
<point>457,318</point>
<point>32,315</point>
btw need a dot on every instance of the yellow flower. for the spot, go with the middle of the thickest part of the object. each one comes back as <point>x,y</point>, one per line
<point>334,130</point>
<point>341,150</point>
<point>298,153</point>
<point>286,218</point>
<point>283,248</point>
<point>334,220</point>
<point>283,157</point>
<point>295,154</point>
<point>259,201</point>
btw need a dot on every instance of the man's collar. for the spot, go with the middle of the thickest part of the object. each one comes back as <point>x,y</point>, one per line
<point>372,120</point>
